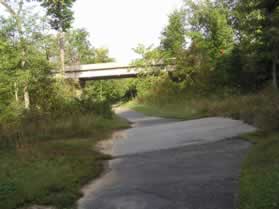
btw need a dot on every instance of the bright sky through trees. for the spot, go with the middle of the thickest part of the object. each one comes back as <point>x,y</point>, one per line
<point>121,25</point>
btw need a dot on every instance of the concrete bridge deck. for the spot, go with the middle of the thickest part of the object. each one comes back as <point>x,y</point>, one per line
<point>106,71</point>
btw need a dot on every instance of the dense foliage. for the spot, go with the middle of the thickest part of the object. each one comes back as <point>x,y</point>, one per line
<point>226,59</point>
<point>222,51</point>
<point>48,128</point>
<point>222,44</point>
<point>28,54</point>
<point>215,52</point>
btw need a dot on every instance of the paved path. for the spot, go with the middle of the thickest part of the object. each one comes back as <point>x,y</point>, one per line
<point>168,164</point>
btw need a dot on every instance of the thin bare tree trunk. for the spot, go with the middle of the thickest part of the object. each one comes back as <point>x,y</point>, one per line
<point>16,92</point>
<point>274,52</point>
<point>25,88</point>
<point>62,52</point>
<point>26,98</point>
<point>274,72</point>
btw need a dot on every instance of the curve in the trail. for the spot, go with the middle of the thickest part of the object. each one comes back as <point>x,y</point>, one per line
<point>169,164</point>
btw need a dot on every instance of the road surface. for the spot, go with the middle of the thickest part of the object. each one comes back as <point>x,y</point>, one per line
<point>169,164</point>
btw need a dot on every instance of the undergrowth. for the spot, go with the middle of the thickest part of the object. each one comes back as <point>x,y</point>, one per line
<point>46,159</point>
<point>261,109</point>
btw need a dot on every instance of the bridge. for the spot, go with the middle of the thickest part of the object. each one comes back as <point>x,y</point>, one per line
<point>106,71</point>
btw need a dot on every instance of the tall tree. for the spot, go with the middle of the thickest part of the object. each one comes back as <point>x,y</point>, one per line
<point>16,14</point>
<point>9,59</point>
<point>26,32</point>
<point>102,55</point>
<point>78,47</point>
<point>258,26</point>
<point>61,17</point>
<point>270,9</point>
<point>173,36</point>
<point>209,25</point>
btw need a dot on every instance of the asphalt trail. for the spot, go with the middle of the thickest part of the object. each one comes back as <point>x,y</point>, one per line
<point>169,164</point>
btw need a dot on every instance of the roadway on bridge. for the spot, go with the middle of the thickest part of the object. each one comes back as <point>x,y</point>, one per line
<point>169,164</point>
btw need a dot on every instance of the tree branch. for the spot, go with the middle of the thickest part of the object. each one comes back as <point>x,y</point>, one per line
<point>8,7</point>
<point>20,7</point>
<point>14,13</point>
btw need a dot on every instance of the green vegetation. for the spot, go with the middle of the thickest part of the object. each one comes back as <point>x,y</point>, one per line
<point>48,126</point>
<point>259,109</point>
<point>225,55</point>
<point>49,173</point>
<point>180,110</point>
<point>260,174</point>
<point>260,171</point>
<point>46,158</point>
<point>226,58</point>
<point>52,171</point>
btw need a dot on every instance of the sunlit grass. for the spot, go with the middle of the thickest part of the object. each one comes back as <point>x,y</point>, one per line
<point>178,111</point>
<point>261,110</point>
<point>50,166</point>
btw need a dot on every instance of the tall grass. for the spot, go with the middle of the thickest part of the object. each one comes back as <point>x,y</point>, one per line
<point>75,120</point>
<point>46,158</point>
<point>259,109</point>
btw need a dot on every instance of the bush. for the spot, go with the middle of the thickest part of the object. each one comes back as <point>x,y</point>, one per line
<point>62,115</point>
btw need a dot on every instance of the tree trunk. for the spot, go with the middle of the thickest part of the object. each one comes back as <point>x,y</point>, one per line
<point>274,52</point>
<point>16,92</point>
<point>25,89</point>
<point>62,52</point>
<point>26,98</point>
<point>274,72</point>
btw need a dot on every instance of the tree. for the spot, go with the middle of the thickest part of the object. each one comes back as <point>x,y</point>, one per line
<point>205,25</point>
<point>102,55</point>
<point>9,59</point>
<point>210,28</point>
<point>79,50</point>
<point>149,56</point>
<point>78,47</point>
<point>108,90</point>
<point>61,17</point>
<point>257,23</point>
<point>27,34</point>
<point>212,39</point>
<point>16,14</point>
<point>270,9</point>
<point>173,36</point>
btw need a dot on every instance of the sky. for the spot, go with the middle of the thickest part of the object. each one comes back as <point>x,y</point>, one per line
<point>123,24</point>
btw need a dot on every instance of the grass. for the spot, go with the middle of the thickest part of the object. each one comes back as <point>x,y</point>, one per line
<point>259,182</point>
<point>36,128</point>
<point>52,170</point>
<point>261,110</point>
<point>172,110</point>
